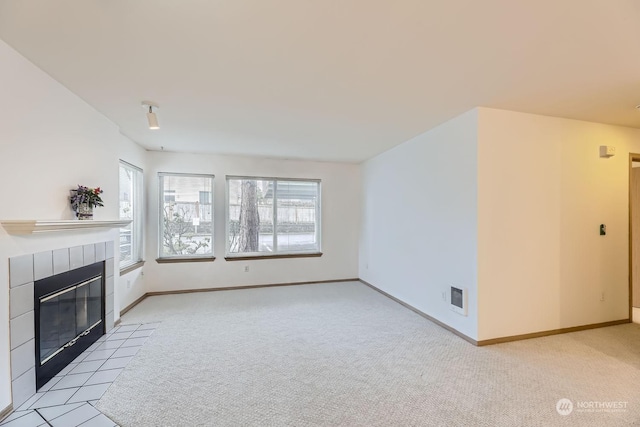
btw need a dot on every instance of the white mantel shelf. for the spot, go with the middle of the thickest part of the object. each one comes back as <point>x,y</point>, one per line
<point>32,226</point>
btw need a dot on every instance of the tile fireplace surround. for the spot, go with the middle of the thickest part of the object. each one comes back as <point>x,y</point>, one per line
<point>23,271</point>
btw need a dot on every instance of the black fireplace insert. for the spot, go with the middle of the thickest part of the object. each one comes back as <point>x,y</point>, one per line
<point>69,317</point>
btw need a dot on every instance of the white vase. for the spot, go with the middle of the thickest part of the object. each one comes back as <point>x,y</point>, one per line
<point>84,212</point>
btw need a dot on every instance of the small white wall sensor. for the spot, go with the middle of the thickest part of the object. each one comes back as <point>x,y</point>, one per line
<point>607,151</point>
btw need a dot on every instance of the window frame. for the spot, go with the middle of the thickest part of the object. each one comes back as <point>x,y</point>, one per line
<point>161,201</point>
<point>239,256</point>
<point>137,222</point>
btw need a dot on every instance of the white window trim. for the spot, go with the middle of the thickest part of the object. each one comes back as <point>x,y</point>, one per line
<point>275,254</point>
<point>139,213</point>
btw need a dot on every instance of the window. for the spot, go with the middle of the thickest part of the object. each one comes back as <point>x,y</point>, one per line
<point>205,198</point>
<point>268,216</point>
<point>169,196</point>
<point>131,209</point>
<point>186,217</point>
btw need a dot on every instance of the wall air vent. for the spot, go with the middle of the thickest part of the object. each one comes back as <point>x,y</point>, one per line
<point>459,300</point>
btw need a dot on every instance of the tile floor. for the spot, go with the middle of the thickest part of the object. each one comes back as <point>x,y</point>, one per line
<point>68,399</point>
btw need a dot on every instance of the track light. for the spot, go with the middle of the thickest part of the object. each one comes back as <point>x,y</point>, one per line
<point>151,116</point>
<point>152,119</point>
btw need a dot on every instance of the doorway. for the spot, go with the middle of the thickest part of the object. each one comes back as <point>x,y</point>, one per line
<point>634,237</point>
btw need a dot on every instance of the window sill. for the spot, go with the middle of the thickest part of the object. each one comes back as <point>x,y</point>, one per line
<point>256,257</point>
<point>130,268</point>
<point>184,259</point>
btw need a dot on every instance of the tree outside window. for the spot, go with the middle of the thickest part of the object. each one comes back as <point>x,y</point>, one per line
<point>273,216</point>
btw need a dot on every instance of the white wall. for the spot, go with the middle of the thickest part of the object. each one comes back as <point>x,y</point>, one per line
<point>543,191</point>
<point>419,220</point>
<point>50,141</point>
<point>340,218</point>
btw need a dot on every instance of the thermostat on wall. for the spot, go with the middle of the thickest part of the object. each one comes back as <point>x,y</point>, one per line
<point>607,151</point>
<point>459,300</point>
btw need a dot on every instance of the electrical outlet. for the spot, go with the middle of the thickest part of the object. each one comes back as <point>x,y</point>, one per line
<point>128,284</point>
<point>444,296</point>
<point>246,268</point>
<point>602,296</point>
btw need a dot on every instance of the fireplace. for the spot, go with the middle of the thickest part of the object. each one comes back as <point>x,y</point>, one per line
<point>25,271</point>
<point>69,317</point>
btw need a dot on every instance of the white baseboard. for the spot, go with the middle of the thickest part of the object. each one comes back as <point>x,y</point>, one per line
<point>6,411</point>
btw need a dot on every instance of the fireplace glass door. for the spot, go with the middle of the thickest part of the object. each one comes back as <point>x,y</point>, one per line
<point>69,314</point>
<point>69,317</point>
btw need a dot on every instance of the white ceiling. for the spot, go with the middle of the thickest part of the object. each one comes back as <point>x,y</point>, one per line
<point>339,80</point>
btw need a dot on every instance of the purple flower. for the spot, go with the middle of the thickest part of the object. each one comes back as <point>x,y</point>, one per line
<point>82,195</point>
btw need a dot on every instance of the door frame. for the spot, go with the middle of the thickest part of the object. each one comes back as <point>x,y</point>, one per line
<point>633,157</point>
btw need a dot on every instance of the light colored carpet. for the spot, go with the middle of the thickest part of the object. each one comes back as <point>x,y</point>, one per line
<point>341,354</point>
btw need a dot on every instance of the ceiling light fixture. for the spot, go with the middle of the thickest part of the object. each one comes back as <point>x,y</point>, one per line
<point>151,116</point>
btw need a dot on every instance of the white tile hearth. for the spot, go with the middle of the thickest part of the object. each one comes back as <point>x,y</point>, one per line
<point>67,369</point>
<point>57,411</point>
<point>141,334</point>
<point>25,419</point>
<point>110,345</point>
<point>89,392</point>
<point>52,398</point>
<point>48,386</point>
<point>68,399</point>
<point>99,355</point>
<point>119,336</point>
<point>81,358</point>
<point>72,380</point>
<point>102,377</point>
<point>76,416</point>
<point>148,326</point>
<point>83,367</point>
<point>133,342</point>
<point>132,328</point>
<point>116,363</point>
<point>126,351</point>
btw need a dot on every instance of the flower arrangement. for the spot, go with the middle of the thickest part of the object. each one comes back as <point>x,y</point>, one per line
<point>86,196</point>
